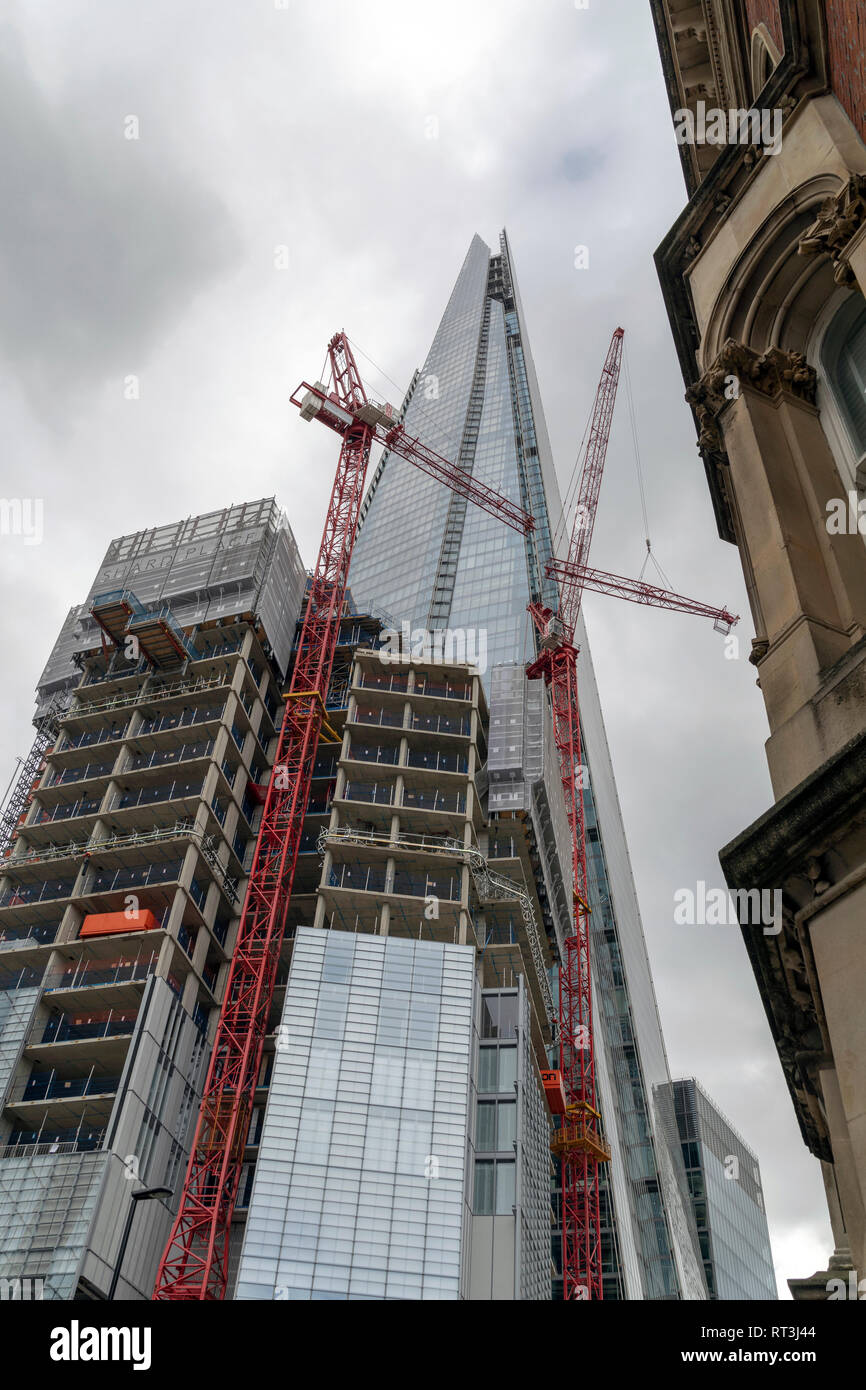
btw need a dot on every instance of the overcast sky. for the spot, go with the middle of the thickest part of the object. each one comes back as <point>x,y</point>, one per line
<point>307,165</point>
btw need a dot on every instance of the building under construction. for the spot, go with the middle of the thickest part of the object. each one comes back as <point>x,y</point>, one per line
<point>122,884</point>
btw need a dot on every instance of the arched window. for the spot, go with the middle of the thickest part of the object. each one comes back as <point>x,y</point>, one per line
<point>764,57</point>
<point>843,366</point>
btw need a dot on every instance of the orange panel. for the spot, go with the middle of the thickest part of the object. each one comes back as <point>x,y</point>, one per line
<point>109,923</point>
<point>554,1090</point>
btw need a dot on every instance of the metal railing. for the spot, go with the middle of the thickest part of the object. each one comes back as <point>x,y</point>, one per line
<point>150,693</point>
<point>443,690</point>
<point>62,775</point>
<point>145,796</point>
<point>34,1142</point>
<point>85,973</point>
<point>427,799</point>
<point>86,806</point>
<point>391,719</point>
<point>63,1028</point>
<point>373,681</point>
<point>181,721</point>
<point>89,739</point>
<point>223,649</point>
<point>136,876</point>
<point>441,723</point>
<point>361,878</point>
<point>438,762</point>
<point>374,753</point>
<point>186,751</point>
<point>25,978</point>
<point>17,936</point>
<point>50,1086</point>
<point>381,793</point>
<point>444,886</point>
<point>25,893</point>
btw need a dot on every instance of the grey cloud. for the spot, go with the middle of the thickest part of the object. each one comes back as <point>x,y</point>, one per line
<point>102,243</point>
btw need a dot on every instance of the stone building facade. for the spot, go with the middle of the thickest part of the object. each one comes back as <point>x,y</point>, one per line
<point>764,276</point>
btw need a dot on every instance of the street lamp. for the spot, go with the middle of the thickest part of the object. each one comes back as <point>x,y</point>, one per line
<point>144,1194</point>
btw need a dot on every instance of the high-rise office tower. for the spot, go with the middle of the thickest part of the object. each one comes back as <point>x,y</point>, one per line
<point>728,1202</point>
<point>431,561</point>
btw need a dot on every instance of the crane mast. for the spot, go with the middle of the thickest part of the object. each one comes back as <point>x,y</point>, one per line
<point>579,1142</point>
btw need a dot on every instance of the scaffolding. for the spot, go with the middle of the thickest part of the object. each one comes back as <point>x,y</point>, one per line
<point>47,729</point>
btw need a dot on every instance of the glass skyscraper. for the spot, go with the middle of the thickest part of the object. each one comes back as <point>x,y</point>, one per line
<point>725,1186</point>
<point>430,560</point>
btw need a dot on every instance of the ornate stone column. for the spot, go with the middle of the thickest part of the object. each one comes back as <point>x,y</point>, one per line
<point>809,586</point>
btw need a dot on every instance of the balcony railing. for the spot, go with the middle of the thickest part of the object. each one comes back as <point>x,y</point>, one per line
<point>373,680</point>
<point>86,806</point>
<point>23,893</point>
<point>85,974</point>
<point>374,753</point>
<point>17,936</point>
<point>223,649</point>
<point>136,876</point>
<point>438,762</point>
<point>93,736</point>
<point>428,799</point>
<point>24,978</point>
<point>445,886</point>
<point>382,793</point>
<point>145,796</point>
<point>443,690</point>
<point>63,775</point>
<point>441,723</point>
<point>64,1028</point>
<point>158,692</point>
<point>50,1086</point>
<point>27,1143</point>
<point>201,749</point>
<point>389,718</point>
<point>361,878</point>
<point>198,893</point>
<point>182,720</point>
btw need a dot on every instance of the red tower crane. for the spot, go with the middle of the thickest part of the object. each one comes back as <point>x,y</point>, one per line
<point>579,1141</point>
<point>194,1265</point>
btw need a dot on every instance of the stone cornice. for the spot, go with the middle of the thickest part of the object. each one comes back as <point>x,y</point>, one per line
<point>788,848</point>
<point>738,366</point>
<point>838,221</point>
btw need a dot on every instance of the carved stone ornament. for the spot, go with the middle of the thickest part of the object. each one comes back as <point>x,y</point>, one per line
<point>737,366</point>
<point>839,217</point>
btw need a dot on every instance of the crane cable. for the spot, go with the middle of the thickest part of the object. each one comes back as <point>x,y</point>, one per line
<point>437,426</point>
<point>640,481</point>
